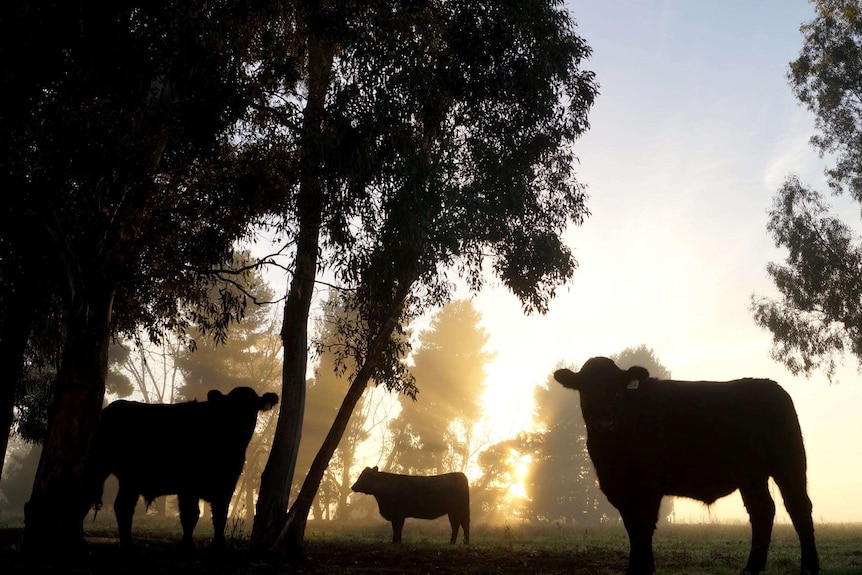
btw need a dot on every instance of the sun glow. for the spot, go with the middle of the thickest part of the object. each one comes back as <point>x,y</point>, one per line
<point>520,465</point>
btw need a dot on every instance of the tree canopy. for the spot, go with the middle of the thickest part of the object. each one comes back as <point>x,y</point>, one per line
<point>825,78</point>
<point>817,317</point>
<point>117,161</point>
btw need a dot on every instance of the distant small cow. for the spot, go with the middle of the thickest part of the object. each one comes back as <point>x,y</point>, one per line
<point>422,497</point>
<point>650,438</point>
<point>195,450</point>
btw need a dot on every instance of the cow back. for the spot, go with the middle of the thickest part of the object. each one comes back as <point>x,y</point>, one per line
<point>677,433</point>
<point>422,497</point>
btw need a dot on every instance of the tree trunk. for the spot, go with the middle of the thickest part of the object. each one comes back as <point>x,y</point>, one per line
<point>248,512</point>
<point>14,332</point>
<point>277,476</point>
<point>290,539</point>
<point>61,497</point>
<point>341,505</point>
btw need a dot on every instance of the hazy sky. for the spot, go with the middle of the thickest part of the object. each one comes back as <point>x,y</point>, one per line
<point>693,132</point>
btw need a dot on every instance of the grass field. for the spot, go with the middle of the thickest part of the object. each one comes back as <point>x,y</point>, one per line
<point>504,550</point>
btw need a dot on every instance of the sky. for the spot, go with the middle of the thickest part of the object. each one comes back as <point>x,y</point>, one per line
<point>693,132</point>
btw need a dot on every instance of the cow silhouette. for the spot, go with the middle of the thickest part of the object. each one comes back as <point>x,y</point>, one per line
<point>420,496</point>
<point>704,440</point>
<point>195,450</point>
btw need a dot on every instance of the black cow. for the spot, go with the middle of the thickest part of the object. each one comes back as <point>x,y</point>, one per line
<point>422,497</point>
<point>195,450</point>
<point>703,440</point>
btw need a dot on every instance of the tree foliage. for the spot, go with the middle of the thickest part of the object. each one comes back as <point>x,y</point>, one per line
<point>230,361</point>
<point>826,78</point>
<point>819,314</point>
<point>117,117</point>
<point>495,495</point>
<point>434,432</point>
<point>817,317</point>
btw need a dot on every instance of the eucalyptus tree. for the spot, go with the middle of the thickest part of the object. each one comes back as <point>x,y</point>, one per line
<point>817,318</point>
<point>436,137</point>
<point>116,116</point>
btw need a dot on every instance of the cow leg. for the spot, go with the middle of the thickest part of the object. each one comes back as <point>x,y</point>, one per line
<point>455,523</point>
<point>799,508</point>
<point>219,512</point>
<point>397,526</point>
<point>124,509</point>
<point>189,513</point>
<point>761,514</point>
<point>639,520</point>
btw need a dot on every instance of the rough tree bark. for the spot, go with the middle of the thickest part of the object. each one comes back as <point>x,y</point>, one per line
<point>60,499</point>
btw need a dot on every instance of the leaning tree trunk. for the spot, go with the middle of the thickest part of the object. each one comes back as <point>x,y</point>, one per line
<point>277,476</point>
<point>60,499</point>
<point>291,538</point>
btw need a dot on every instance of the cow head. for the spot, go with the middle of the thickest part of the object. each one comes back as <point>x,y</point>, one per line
<point>602,386</point>
<point>239,408</point>
<point>366,481</point>
<point>245,397</point>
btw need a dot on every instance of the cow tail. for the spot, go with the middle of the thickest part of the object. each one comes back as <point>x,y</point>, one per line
<point>95,477</point>
<point>96,499</point>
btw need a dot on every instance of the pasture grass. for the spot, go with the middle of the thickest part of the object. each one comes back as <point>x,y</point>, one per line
<point>365,548</point>
<point>683,549</point>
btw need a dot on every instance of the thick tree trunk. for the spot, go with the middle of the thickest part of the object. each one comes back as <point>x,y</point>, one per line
<point>60,499</point>
<point>277,476</point>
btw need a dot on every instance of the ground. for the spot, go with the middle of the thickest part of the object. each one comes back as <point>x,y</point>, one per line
<point>502,550</point>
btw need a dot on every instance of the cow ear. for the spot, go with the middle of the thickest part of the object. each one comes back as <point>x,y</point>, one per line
<point>567,378</point>
<point>375,469</point>
<point>268,401</point>
<point>214,395</point>
<point>637,373</point>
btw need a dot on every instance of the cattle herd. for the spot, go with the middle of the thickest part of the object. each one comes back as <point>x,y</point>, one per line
<point>647,438</point>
